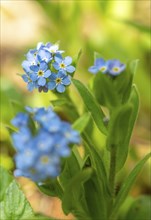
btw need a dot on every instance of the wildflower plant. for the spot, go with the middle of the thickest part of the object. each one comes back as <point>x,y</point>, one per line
<point>47,148</point>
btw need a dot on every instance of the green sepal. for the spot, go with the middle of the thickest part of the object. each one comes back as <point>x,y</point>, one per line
<point>91,104</point>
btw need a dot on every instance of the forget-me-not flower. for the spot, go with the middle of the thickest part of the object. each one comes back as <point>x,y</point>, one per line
<point>59,81</point>
<point>41,62</point>
<point>38,154</point>
<point>63,64</point>
<point>115,67</point>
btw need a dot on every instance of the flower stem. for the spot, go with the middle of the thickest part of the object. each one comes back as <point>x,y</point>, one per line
<point>112,171</point>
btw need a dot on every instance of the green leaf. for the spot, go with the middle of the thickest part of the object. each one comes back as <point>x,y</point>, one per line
<point>5,180</point>
<point>15,205</point>
<point>97,55</point>
<point>71,167</point>
<point>51,188</point>
<point>98,165</point>
<point>81,123</point>
<point>74,200</point>
<point>10,129</point>
<point>104,90</point>
<point>127,185</point>
<point>140,209</point>
<point>59,102</point>
<point>16,107</point>
<point>95,199</point>
<point>92,105</point>
<point>76,58</point>
<point>120,128</point>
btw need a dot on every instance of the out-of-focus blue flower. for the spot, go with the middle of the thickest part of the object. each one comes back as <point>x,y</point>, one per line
<point>20,120</point>
<point>41,62</point>
<point>110,67</point>
<point>63,64</point>
<point>115,67</point>
<point>21,138</point>
<point>59,81</point>
<point>99,65</point>
<point>38,155</point>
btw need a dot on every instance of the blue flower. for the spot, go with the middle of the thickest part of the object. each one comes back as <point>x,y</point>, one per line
<point>41,62</point>
<point>44,55</point>
<point>115,67</point>
<point>53,49</point>
<point>30,84</point>
<point>20,120</point>
<point>59,81</point>
<point>63,64</point>
<point>99,65</point>
<point>21,138</point>
<point>38,155</point>
<point>40,73</point>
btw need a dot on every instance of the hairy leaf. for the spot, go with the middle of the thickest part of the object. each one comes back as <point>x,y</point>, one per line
<point>92,105</point>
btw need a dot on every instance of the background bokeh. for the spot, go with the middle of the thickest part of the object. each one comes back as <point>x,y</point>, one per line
<point>116,29</point>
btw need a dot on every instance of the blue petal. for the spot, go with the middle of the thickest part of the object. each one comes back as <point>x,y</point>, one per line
<point>99,62</point>
<point>56,66</point>
<point>70,69</point>
<point>43,66</point>
<point>51,85</point>
<point>26,65</point>
<point>58,58</point>
<point>47,73</point>
<point>53,76</point>
<point>60,88</point>
<point>66,81</point>
<point>25,78</point>
<point>68,60</point>
<point>122,67</point>
<point>34,68</point>
<point>60,74</point>
<point>93,69</point>
<point>30,86</point>
<point>41,81</point>
<point>33,77</point>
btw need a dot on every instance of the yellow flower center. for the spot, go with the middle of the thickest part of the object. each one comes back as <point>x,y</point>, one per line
<point>62,65</point>
<point>103,68</point>
<point>115,69</point>
<point>40,73</point>
<point>44,159</point>
<point>32,171</point>
<point>58,80</point>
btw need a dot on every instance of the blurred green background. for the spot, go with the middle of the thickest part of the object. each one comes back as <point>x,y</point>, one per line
<point>116,29</point>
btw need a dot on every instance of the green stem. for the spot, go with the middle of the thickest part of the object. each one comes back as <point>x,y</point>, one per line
<point>112,172</point>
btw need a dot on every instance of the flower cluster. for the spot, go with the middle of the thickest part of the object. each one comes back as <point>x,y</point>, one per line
<point>111,67</point>
<point>41,141</point>
<point>46,69</point>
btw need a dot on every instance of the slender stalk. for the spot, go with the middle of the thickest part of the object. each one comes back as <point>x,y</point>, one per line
<point>112,172</point>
